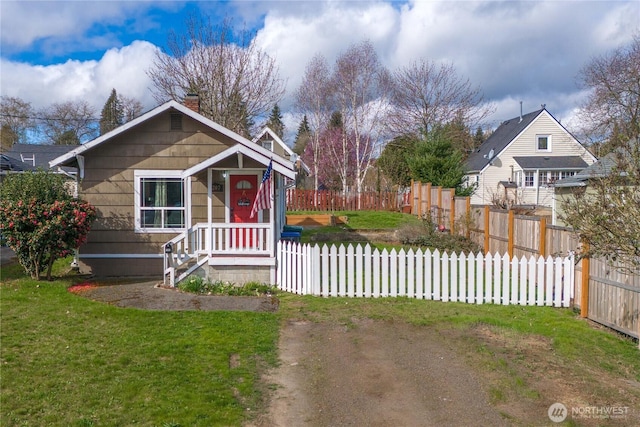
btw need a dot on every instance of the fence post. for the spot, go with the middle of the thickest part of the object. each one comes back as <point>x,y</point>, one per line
<point>452,218</point>
<point>543,237</point>
<point>487,212</point>
<point>429,199</point>
<point>467,217</point>
<point>439,205</point>
<point>584,295</point>
<point>511,233</point>
<point>419,198</point>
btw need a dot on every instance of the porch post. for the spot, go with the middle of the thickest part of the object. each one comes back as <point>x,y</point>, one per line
<point>207,239</point>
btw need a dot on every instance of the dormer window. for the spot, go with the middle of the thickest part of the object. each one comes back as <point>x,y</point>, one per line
<point>268,144</point>
<point>543,142</point>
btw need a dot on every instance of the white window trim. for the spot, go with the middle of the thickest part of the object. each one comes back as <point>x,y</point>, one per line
<point>137,174</point>
<point>524,179</point>
<point>548,149</point>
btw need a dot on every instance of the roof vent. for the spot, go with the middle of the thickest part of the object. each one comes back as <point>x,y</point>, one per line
<point>176,121</point>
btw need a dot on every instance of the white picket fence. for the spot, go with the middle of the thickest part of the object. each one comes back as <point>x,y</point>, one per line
<point>357,271</point>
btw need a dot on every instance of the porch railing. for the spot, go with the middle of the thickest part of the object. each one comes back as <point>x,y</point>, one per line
<point>205,240</point>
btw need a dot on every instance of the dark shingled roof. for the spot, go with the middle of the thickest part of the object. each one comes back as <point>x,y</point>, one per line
<point>10,164</point>
<point>499,139</point>
<point>551,162</point>
<point>43,153</point>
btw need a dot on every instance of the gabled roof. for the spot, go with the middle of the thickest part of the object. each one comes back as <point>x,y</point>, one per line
<point>41,154</point>
<point>499,139</point>
<point>550,162</point>
<point>234,150</point>
<point>70,157</point>
<point>275,138</point>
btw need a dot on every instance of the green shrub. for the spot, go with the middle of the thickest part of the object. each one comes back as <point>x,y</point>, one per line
<point>427,236</point>
<point>198,285</point>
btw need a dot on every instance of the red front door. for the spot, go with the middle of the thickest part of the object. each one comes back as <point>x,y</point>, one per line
<point>243,192</point>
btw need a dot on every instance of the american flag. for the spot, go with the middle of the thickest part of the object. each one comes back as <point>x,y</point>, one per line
<point>263,198</point>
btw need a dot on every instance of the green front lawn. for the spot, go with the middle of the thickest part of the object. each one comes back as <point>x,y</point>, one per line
<point>69,361</point>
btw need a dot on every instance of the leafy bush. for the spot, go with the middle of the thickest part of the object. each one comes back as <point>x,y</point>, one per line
<point>428,236</point>
<point>201,286</point>
<point>42,224</point>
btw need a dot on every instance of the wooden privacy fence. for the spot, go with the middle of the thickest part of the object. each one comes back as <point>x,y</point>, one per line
<point>475,279</point>
<point>602,292</point>
<point>327,201</point>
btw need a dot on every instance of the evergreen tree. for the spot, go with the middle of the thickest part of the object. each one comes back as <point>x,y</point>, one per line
<point>435,160</point>
<point>112,114</point>
<point>275,121</point>
<point>302,137</point>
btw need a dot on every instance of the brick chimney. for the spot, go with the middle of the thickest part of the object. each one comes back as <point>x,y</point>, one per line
<point>192,101</point>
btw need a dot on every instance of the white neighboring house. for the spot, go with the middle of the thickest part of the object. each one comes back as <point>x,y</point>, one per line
<point>522,159</point>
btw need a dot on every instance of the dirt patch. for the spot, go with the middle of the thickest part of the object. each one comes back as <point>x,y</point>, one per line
<point>148,296</point>
<point>378,373</point>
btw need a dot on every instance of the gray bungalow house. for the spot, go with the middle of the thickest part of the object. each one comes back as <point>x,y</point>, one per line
<point>174,193</point>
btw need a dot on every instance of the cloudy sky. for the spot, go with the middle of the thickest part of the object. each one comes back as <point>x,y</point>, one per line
<point>55,51</point>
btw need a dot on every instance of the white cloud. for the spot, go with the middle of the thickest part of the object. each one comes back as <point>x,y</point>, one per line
<point>123,69</point>
<point>513,51</point>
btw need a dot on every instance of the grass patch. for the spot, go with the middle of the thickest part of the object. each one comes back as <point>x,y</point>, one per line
<point>70,361</point>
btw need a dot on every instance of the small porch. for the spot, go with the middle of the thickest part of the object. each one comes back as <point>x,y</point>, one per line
<point>232,242</point>
<point>219,244</point>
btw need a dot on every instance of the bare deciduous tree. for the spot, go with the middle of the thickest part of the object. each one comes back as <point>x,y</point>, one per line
<point>236,81</point>
<point>313,99</point>
<point>607,214</point>
<point>131,107</point>
<point>611,112</point>
<point>16,119</point>
<point>425,94</point>
<point>69,123</point>
<point>360,85</point>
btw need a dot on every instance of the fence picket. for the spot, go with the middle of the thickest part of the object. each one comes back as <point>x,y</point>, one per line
<point>515,284</point>
<point>532,281</point>
<point>376,273</point>
<point>427,260</point>
<point>360,272</point>
<point>497,278</point>
<point>479,279</point>
<point>411,284</point>
<point>419,275</point>
<point>471,288</point>
<point>548,297</point>
<point>350,272</point>
<point>367,271</point>
<point>436,274</point>
<point>505,279</point>
<point>384,285</point>
<point>488,278</point>
<point>402,273</point>
<point>393,272</point>
<point>522,298</point>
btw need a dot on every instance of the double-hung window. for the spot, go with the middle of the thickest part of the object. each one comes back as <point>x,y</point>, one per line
<point>159,200</point>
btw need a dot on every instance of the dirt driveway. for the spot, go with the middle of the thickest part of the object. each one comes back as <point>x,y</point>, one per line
<point>380,373</point>
<point>374,373</point>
